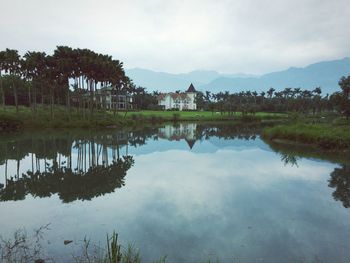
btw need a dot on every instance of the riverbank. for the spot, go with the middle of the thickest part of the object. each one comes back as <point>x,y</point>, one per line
<point>25,119</point>
<point>327,136</point>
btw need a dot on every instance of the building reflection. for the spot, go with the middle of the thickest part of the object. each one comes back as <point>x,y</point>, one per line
<point>182,131</point>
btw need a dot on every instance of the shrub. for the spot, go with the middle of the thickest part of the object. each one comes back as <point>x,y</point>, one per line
<point>176,117</point>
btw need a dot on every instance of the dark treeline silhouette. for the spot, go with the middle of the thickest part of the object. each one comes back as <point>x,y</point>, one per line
<point>289,99</point>
<point>69,184</point>
<point>246,131</point>
<point>340,180</point>
<point>65,77</point>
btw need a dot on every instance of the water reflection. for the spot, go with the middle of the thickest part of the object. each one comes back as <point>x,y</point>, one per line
<point>196,188</point>
<point>81,165</point>
<point>340,180</point>
<point>68,184</point>
<point>75,169</point>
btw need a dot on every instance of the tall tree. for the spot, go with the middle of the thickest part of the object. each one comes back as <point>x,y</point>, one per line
<point>344,84</point>
<point>2,67</point>
<point>12,66</point>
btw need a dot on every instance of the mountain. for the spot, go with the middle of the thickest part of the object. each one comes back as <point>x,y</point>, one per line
<point>325,74</point>
<point>166,82</point>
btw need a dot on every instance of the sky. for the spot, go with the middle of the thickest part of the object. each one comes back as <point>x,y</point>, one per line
<point>229,36</point>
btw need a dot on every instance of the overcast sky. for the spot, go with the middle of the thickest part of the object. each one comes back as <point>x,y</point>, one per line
<point>251,36</point>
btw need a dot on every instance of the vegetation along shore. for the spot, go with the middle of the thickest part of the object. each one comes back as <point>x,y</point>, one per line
<point>70,89</point>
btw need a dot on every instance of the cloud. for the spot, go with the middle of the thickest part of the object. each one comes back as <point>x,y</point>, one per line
<point>178,36</point>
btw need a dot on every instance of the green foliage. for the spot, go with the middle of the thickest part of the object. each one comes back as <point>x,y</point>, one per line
<point>322,135</point>
<point>114,254</point>
<point>131,255</point>
<point>176,117</point>
<point>9,122</point>
<point>344,100</point>
<point>251,118</point>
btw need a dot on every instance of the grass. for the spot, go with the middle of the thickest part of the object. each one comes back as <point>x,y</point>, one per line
<point>10,120</point>
<point>322,135</point>
<point>205,115</point>
<point>26,248</point>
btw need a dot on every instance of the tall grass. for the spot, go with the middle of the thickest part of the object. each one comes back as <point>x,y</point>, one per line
<point>322,135</point>
<point>24,248</point>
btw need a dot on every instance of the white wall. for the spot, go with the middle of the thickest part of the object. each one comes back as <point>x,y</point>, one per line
<point>169,103</point>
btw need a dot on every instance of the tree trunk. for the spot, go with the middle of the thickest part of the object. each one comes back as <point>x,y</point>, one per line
<point>15,95</point>
<point>30,99</point>
<point>2,92</point>
<point>42,96</point>
<point>52,102</point>
<point>68,101</point>
<point>34,98</point>
<point>126,106</point>
<point>91,99</point>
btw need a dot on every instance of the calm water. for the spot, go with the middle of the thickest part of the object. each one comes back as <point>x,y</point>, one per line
<point>190,192</point>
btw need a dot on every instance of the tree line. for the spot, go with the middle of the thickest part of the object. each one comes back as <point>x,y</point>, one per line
<point>68,75</point>
<point>289,99</point>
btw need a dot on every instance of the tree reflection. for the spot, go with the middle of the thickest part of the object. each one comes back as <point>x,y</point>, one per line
<point>68,184</point>
<point>74,168</point>
<point>288,158</point>
<point>84,165</point>
<point>340,180</point>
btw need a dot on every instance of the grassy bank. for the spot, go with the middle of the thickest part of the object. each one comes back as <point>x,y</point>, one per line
<point>10,120</point>
<point>328,136</point>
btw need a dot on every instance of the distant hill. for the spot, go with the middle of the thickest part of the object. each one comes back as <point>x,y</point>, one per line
<point>165,82</point>
<point>325,74</point>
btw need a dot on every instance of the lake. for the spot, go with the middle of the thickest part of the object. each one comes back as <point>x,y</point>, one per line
<point>191,192</point>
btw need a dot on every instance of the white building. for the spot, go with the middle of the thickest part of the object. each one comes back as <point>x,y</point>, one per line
<point>112,99</point>
<point>182,101</point>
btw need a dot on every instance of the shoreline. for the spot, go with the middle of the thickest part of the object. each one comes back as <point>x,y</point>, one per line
<point>26,120</point>
<point>321,136</point>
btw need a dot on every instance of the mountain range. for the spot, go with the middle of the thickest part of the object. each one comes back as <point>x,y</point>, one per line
<point>325,74</point>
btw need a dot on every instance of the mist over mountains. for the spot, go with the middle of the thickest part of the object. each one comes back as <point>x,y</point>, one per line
<point>325,74</point>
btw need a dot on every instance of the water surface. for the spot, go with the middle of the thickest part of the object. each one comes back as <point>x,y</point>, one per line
<point>191,192</point>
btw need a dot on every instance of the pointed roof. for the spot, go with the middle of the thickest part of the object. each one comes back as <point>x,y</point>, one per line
<point>190,143</point>
<point>191,88</point>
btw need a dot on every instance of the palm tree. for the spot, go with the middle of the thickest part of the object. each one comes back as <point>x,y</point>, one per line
<point>255,94</point>
<point>63,56</point>
<point>262,95</point>
<point>270,92</point>
<point>2,67</point>
<point>35,63</point>
<point>12,66</point>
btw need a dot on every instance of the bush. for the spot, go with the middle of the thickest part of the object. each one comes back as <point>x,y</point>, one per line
<point>176,117</point>
<point>250,118</point>
<point>9,123</point>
